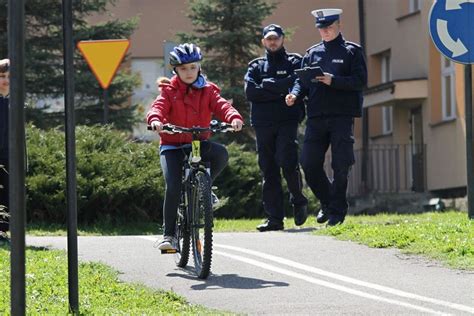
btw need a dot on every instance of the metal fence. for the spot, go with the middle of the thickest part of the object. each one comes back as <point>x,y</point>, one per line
<point>391,169</point>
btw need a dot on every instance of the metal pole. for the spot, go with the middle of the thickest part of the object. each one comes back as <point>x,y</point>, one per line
<point>68,46</point>
<point>469,145</point>
<point>16,167</point>
<point>106,107</point>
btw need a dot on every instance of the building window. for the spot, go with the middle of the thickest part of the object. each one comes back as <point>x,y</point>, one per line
<point>387,118</point>
<point>414,6</point>
<point>386,74</point>
<point>448,92</point>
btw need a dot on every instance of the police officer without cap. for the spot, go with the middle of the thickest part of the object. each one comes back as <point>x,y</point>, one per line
<point>267,82</point>
<point>333,101</point>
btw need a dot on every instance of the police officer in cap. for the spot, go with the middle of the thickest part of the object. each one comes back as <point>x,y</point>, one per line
<point>334,99</point>
<point>267,82</point>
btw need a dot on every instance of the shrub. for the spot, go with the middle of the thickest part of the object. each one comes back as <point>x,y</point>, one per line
<point>119,180</point>
<point>116,179</point>
<point>240,184</point>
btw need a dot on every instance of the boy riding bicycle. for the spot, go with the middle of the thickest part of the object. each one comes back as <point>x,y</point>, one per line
<point>189,100</point>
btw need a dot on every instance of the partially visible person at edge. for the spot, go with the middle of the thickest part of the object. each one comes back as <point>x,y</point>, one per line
<point>334,100</point>
<point>268,80</point>
<point>4,102</point>
<point>188,100</point>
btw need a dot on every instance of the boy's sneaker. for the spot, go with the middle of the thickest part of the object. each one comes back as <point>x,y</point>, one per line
<point>167,243</point>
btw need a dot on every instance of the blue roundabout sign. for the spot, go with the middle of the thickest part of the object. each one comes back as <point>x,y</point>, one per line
<point>451,24</point>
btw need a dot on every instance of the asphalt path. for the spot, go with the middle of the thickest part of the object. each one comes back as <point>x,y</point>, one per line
<point>291,272</point>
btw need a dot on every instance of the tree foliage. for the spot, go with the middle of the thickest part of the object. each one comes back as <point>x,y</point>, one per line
<point>229,31</point>
<point>44,59</point>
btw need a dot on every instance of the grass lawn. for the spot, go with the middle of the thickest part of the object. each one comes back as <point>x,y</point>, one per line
<point>447,237</point>
<point>142,228</point>
<point>101,293</point>
<point>98,229</point>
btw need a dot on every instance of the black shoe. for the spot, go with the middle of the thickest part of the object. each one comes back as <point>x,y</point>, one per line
<point>301,214</point>
<point>336,220</point>
<point>268,226</point>
<point>323,216</point>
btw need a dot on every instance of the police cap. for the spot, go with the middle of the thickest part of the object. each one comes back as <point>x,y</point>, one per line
<point>273,30</point>
<point>326,17</point>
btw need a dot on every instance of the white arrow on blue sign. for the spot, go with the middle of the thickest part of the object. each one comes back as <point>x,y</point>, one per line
<point>451,25</point>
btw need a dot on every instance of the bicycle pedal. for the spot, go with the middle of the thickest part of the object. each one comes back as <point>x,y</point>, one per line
<point>168,251</point>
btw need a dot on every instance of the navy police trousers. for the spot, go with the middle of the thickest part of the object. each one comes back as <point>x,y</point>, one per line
<point>277,149</point>
<point>321,132</point>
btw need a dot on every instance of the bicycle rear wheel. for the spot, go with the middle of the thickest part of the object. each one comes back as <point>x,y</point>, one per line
<point>202,224</point>
<point>183,235</point>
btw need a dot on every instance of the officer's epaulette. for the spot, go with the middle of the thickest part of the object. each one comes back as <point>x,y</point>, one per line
<point>314,46</point>
<point>295,58</point>
<point>353,44</point>
<point>295,55</point>
<point>256,60</point>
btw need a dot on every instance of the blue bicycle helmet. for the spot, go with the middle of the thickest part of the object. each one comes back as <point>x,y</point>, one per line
<point>185,54</point>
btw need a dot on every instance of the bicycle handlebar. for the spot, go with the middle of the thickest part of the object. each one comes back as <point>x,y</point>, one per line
<point>214,127</point>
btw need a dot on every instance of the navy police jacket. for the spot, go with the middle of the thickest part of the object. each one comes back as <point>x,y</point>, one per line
<point>3,128</point>
<point>268,80</point>
<point>343,97</point>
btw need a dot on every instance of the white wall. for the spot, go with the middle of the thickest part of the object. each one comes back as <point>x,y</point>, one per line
<point>149,70</point>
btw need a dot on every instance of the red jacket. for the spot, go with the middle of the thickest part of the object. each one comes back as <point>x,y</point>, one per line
<point>191,109</point>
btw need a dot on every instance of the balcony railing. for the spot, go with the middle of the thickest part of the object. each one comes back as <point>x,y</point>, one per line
<point>391,169</point>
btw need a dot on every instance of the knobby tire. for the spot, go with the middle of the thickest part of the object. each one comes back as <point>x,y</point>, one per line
<point>202,224</point>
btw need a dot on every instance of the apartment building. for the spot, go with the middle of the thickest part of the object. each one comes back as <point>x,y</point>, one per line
<point>413,136</point>
<point>415,105</point>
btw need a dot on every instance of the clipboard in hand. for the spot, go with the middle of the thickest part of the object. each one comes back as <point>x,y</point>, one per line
<point>308,74</point>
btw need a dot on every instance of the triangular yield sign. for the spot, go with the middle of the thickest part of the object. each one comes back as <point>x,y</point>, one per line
<point>104,58</point>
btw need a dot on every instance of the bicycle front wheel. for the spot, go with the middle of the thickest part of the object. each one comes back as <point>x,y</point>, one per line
<point>202,224</point>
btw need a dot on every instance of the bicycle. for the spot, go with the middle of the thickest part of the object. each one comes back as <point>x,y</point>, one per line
<point>194,223</point>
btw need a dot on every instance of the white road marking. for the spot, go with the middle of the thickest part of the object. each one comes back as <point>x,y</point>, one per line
<point>339,277</point>
<point>326,284</point>
<point>343,278</point>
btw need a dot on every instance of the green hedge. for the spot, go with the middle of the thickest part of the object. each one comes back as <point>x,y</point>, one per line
<point>240,185</point>
<point>116,179</point>
<point>121,180</point>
